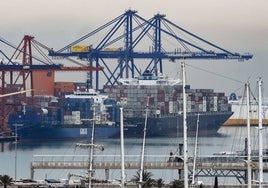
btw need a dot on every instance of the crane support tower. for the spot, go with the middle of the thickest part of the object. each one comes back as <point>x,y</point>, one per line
<point>130,37</point>
<point>16,74</point>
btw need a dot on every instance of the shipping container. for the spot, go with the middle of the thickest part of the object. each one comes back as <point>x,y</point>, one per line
<point>80,48</point>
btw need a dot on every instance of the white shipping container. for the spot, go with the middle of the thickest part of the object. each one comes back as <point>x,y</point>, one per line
<point>189,103</point>
<point>76,113</point>
<point>75,117</point>
<point>189,107</point>
<point>204,105</point>
<point>77,122</point>
<point>68,122</point>
<point>67,117</point>
<point>215,103</point>
<point>200,107</point>
<point>44,104</point>
<point>170,109</point>
<point>215,107</point>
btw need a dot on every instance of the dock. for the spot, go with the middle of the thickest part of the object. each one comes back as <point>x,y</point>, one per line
<point>206,166</point>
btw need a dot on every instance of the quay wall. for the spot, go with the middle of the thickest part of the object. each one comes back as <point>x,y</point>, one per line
<point>135,186</point>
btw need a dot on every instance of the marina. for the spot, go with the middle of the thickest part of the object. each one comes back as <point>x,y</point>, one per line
<point>60,154</point>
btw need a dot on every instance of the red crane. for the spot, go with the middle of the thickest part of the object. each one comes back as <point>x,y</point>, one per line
<point>17,73</point>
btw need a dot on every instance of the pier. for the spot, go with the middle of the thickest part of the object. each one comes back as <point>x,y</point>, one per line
<point>206,166</point>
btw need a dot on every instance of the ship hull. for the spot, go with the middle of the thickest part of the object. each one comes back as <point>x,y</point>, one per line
<point>209,124</point>
<point>54,133</point>
<point>243,122</point>
<point>172,126</point>
<point>68,120</point>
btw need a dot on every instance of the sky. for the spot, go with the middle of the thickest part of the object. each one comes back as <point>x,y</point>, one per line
<point>237,25</point>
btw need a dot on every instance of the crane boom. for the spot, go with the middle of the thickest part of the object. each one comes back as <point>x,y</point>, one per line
<point>15,93</point>
<point>139,32</point>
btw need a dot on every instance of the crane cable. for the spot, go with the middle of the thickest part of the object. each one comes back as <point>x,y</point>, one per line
<point>217,74</point>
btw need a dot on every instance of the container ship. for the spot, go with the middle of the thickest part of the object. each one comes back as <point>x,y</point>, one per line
<point>205,108</point>
<point>69,117</point>
<point>239,107</point>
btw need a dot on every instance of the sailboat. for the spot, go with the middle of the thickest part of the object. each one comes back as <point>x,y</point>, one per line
<point>185,136</point>
<point>251,154</point>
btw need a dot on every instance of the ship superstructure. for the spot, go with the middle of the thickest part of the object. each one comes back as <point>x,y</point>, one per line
<point>239,107</point>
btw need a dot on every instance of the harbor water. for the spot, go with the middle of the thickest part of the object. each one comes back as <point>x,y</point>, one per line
<point>16,162</point>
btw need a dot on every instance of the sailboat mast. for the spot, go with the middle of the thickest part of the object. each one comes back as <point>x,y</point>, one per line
<point>91,145</point>
<point>195,149</point>
<point>185,144</point>
<point>143,143</point>
<point>122,149</point>
<point>91,150</point>
<point>260,135</point>
<point>249,142</point>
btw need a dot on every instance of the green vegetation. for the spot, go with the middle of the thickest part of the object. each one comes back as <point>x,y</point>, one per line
<point>160,183</point>
<point>5,180</point>
<point>147,180</point>
<point>177,184</point>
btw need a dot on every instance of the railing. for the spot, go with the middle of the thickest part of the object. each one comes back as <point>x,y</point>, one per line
<point>220,163</point>
<point>98,158</point>
<point>136,158</point>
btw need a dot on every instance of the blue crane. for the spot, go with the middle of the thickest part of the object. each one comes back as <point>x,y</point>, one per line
<point>137,39</point>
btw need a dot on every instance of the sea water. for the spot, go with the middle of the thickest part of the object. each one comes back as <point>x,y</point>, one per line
<point>17,162</point>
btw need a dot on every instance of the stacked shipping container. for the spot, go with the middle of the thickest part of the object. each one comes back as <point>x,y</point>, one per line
<point>166,100</point>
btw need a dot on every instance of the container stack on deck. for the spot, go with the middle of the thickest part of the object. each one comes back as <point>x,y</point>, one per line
<point>166,100</point>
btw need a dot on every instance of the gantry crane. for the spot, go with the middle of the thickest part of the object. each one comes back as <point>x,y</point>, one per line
<point>16,73</point>
<point>130,37</point>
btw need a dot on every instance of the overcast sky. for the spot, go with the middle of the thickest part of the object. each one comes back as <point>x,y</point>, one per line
<point>237,25</point>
